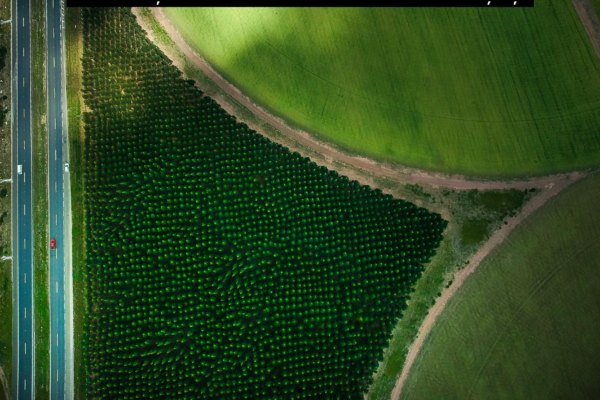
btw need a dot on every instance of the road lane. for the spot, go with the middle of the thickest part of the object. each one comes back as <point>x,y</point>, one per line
<point>24,340</point>
<point>57,175</point>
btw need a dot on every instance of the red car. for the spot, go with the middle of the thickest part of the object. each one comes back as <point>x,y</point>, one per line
<point>53,244</point>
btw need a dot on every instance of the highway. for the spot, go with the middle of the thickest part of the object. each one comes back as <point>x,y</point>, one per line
<point>22,216</point>
<point>60,345</point>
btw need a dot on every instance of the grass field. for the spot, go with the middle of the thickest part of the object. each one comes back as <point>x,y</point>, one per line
<point>73,51</point>
<point>525,324</point>
<point>5,201</point>
<point>492,92</point>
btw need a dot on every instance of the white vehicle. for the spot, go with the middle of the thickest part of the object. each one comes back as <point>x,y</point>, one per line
<point>19,169</point>
<point>66,167</point>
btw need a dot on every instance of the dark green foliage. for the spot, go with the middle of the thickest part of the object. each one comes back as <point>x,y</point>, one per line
<point>220,265</point>
<point>418,190</point>
<point>474,231</point>
<point>3,193</point>
<point>3,53</point>
<point>502,203</point>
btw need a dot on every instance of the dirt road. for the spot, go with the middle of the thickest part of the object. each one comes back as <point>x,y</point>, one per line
<point>474,262</point>
<point>590,22</point>
<point>297,140</point>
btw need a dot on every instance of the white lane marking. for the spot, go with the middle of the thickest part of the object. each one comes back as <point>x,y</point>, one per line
<point>54,155</point>
<point>54,123</point>
<point>54,62</point>
<point>25,318</point>
<point>23,51</point>
<point>24,209</point>
<point>57,375</point>
<point>56,287</point>
<point>57,339</point>
<point>56,254</point>
<point>52,3</point>
<point>23,113</point>
<point>25,277</point>
<point>24,243</point>
<point>55,190</point>
<point>25,348</point>
<point>25,384</point>
<point>52,32</point>
<point>23,82</point>
<point>54,90</point>
<point>23,145</point>
<point>24,174</point>
<point>23,21</point>
<point>56,222</point>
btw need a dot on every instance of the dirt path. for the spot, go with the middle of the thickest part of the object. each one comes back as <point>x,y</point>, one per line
<point>590,22</point>
<point>296,140</point>
<point>4,383</point>
<point>497,238</point>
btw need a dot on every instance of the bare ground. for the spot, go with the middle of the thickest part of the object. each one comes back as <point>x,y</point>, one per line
<point>590,22</point>
<point>497,238</point>
<point>298,140</point>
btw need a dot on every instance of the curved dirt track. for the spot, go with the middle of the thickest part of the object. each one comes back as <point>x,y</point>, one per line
<point>298,140</point>
<point>363,169</point>
<point>474,262</point>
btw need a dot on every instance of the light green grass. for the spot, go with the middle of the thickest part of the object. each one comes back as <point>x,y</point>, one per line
<point>40,198</point>
<point>488,92</point>
<point>76,142</point>
<point>525,325</point>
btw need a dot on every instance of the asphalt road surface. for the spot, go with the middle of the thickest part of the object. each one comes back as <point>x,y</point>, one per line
<point>23,327</point>
<point>57,178</point>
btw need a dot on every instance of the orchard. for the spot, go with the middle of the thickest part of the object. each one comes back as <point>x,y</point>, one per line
<point>221,265</point>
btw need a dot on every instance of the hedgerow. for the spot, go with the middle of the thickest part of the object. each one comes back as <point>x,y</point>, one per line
<point>219,264</point>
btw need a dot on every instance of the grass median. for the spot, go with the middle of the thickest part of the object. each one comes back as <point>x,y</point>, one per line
<point>76,142</point>
<point>40,198</point>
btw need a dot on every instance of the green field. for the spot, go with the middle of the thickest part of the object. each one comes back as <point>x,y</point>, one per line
<point>525,325</point>
<point>495,92</point>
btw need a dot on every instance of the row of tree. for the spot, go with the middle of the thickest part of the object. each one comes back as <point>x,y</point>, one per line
<point>220,264</point>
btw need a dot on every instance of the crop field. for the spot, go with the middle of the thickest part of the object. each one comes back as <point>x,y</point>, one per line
<point>494,92</point>
<point>526,324</point>
<point>220,264</point>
